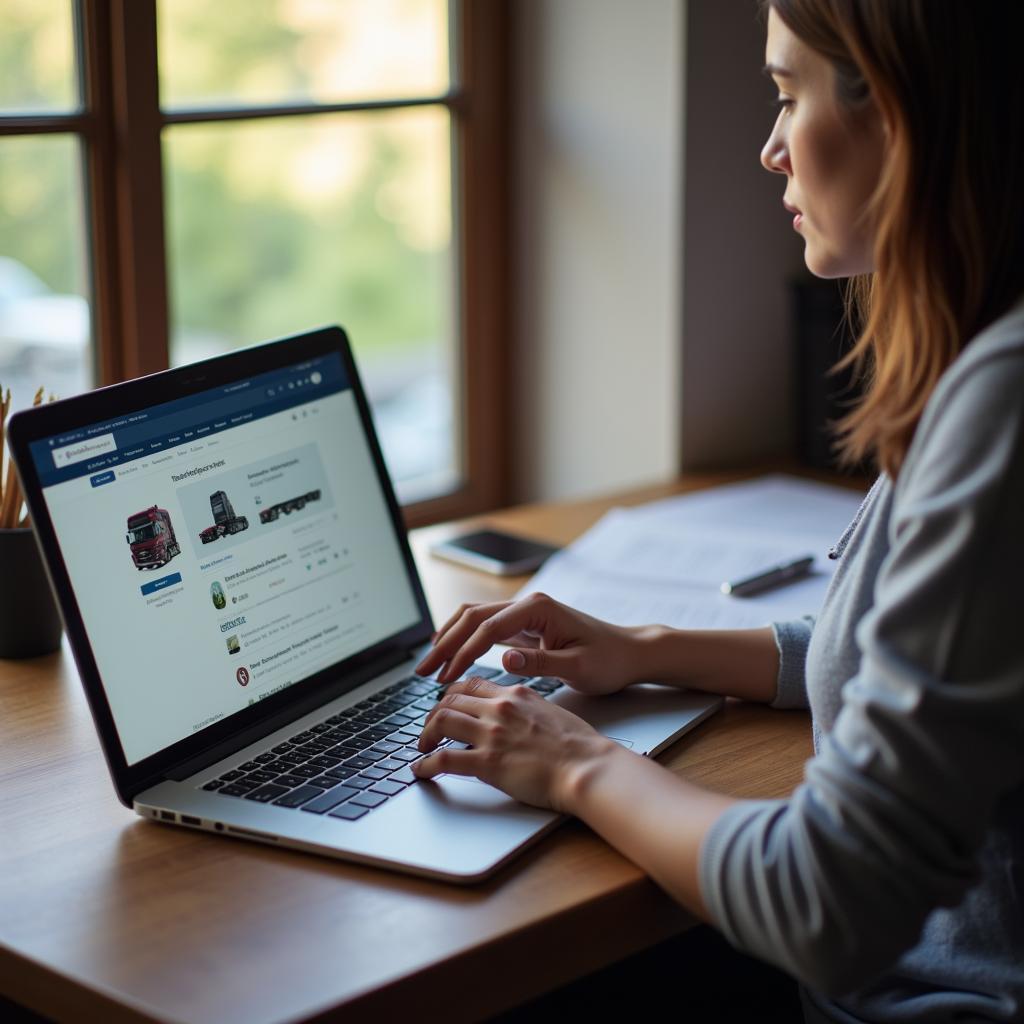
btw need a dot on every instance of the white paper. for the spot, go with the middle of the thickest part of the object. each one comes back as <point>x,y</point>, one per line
<point>664,562</point>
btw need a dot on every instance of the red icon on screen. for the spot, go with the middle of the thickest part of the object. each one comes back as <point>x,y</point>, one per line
<point>242,675</point>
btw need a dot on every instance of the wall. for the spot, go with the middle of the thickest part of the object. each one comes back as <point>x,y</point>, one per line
<point>652,321</point>
<point>598,119</point>
<point>739,249</point>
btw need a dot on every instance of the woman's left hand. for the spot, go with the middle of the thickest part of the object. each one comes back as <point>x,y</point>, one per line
<point>523,744</point>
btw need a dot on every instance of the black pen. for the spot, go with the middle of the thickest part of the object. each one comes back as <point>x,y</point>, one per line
<point>769,578</point>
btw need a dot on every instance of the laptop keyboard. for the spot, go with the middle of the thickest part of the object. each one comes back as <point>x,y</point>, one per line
<point>353,761</point>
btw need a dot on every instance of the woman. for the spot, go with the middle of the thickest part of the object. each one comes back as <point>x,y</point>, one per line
<point>890,884</point>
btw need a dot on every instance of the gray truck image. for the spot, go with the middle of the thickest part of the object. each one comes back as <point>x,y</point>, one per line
<point>224,519</point>
<point>268,515</point>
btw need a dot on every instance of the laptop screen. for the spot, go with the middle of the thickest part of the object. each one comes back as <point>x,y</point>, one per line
<point>225,546</point>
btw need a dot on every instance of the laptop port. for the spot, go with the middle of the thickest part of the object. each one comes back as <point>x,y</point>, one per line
<point>187,820</point>
<point>168,816</point>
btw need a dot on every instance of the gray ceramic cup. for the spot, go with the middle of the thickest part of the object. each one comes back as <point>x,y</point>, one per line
<point>29,621</point>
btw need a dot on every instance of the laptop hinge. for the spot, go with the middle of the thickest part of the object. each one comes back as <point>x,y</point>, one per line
<point>258,730</point>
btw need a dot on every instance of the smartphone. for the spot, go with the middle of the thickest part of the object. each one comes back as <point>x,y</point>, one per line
<point>500,553</point>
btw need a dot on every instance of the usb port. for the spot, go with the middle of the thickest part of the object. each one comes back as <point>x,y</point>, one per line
<point>168,816</point>
<point>187,820</point>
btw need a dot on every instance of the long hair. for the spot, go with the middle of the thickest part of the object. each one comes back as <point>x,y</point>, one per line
<point>948,211</point>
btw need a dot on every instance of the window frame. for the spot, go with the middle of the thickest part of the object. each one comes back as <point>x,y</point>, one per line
<point>119,127</point>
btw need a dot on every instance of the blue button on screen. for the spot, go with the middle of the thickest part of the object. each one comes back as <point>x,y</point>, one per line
<point>161,584</point>
<point>102,478</point>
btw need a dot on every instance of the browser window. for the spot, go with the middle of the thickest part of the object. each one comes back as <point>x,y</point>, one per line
<point>225,546</point>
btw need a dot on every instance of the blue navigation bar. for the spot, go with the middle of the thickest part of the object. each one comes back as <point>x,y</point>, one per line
<point>161,584</point>
<point>91,450</point>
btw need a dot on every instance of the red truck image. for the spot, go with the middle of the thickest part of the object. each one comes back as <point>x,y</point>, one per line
<point>151,538</point>
<point>224,519</point>
<point>268,515</point>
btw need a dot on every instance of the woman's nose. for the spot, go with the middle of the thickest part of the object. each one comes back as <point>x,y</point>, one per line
<point>774,155</point>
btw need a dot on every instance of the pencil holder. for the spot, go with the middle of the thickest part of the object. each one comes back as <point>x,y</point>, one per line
<point>29,621</point>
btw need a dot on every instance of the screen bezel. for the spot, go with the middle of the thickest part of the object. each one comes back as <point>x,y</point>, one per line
<point>134,396</point>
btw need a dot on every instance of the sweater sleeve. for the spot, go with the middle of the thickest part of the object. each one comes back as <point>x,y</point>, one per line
<point>835,883</point>
<point>792,640</point>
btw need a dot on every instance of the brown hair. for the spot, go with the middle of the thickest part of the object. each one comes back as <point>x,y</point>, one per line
<point>949,208</point>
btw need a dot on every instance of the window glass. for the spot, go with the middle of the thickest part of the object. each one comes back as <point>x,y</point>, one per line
<point>246,52</point>
<point>279,225</point>
<point>37,68</point>
<point>44,315</point>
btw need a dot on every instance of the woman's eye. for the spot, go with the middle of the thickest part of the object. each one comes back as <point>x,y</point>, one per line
<point>782,102</point>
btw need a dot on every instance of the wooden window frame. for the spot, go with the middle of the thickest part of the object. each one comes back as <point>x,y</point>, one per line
<point>120,126</point>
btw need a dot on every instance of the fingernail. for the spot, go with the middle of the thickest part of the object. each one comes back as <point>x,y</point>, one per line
<point>514,659</point>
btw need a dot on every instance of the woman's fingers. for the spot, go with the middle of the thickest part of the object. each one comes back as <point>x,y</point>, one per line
<point>451,762</point>
<point>528,615</point>
<point>539,662</point>
<point>451,635</point>
<point>461,702</point>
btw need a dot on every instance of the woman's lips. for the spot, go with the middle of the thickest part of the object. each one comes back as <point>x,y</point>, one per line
<point>798,218</point>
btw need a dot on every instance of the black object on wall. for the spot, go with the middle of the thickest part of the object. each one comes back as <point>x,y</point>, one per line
<point>822,338</point>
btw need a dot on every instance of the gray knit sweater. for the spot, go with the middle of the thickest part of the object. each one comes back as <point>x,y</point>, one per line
<point>891,884</point>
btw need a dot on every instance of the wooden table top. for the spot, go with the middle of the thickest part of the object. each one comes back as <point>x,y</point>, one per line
<point>106,916</point>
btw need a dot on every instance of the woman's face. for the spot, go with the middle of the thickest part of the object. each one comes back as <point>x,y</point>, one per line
<point>831,156</point>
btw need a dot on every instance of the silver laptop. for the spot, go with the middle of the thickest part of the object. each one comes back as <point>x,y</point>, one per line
<point>245,613</point>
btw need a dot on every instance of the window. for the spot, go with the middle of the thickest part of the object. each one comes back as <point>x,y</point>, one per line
<point>180,178</point>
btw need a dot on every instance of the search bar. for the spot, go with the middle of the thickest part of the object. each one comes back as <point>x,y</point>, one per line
<point>71,453</point>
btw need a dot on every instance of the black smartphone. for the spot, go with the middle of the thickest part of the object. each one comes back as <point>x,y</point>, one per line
<point>503,554</point>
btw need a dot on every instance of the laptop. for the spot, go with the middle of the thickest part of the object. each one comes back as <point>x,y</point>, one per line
<point>238,590</point>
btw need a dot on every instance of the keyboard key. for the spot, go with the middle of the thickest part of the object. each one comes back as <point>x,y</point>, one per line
<point>325,761</point>
<point>290,780</point>
<point>261,776</point>
<point>355,743</point>
<point>306,771</point>
<point>320,727</point>
<point>386,747</point>
<point>420,689</point>
<point>374,773</point>
<point>368,799</point>
<point>389,764</point>
<point>231,776</point>
<point>214,784</point>
<point>359,782</point>
<point>301,737</point>
<point>266,793</point>
<point>387,787</point>
<point>265,758</point>
<point>372,755</point>
<point>348,811</point>
<point>404,775</point>
<point>337,735</point>
<point>376,732</point>
<point>297,797</point>
<point>507,679</point>
<point>341,772</point>
<point>325,781</point>
<point>483,671</point>
<point>238,788</point>
<point>405,754</point>
<point>249,766</point>
<point>329,800</point>
<point>398,720</point>
<point>282,748</point>
<point>359,762</point>
<point>282,764</point>
<point>412,731</point>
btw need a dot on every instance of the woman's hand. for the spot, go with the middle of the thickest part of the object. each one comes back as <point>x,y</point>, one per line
<point>526,746</point>
<point>548,639</point>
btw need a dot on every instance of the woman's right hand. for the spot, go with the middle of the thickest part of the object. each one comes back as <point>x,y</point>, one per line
<point>547,638</point>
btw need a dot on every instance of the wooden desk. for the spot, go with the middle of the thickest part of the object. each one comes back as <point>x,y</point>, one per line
<point>104,916</point>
